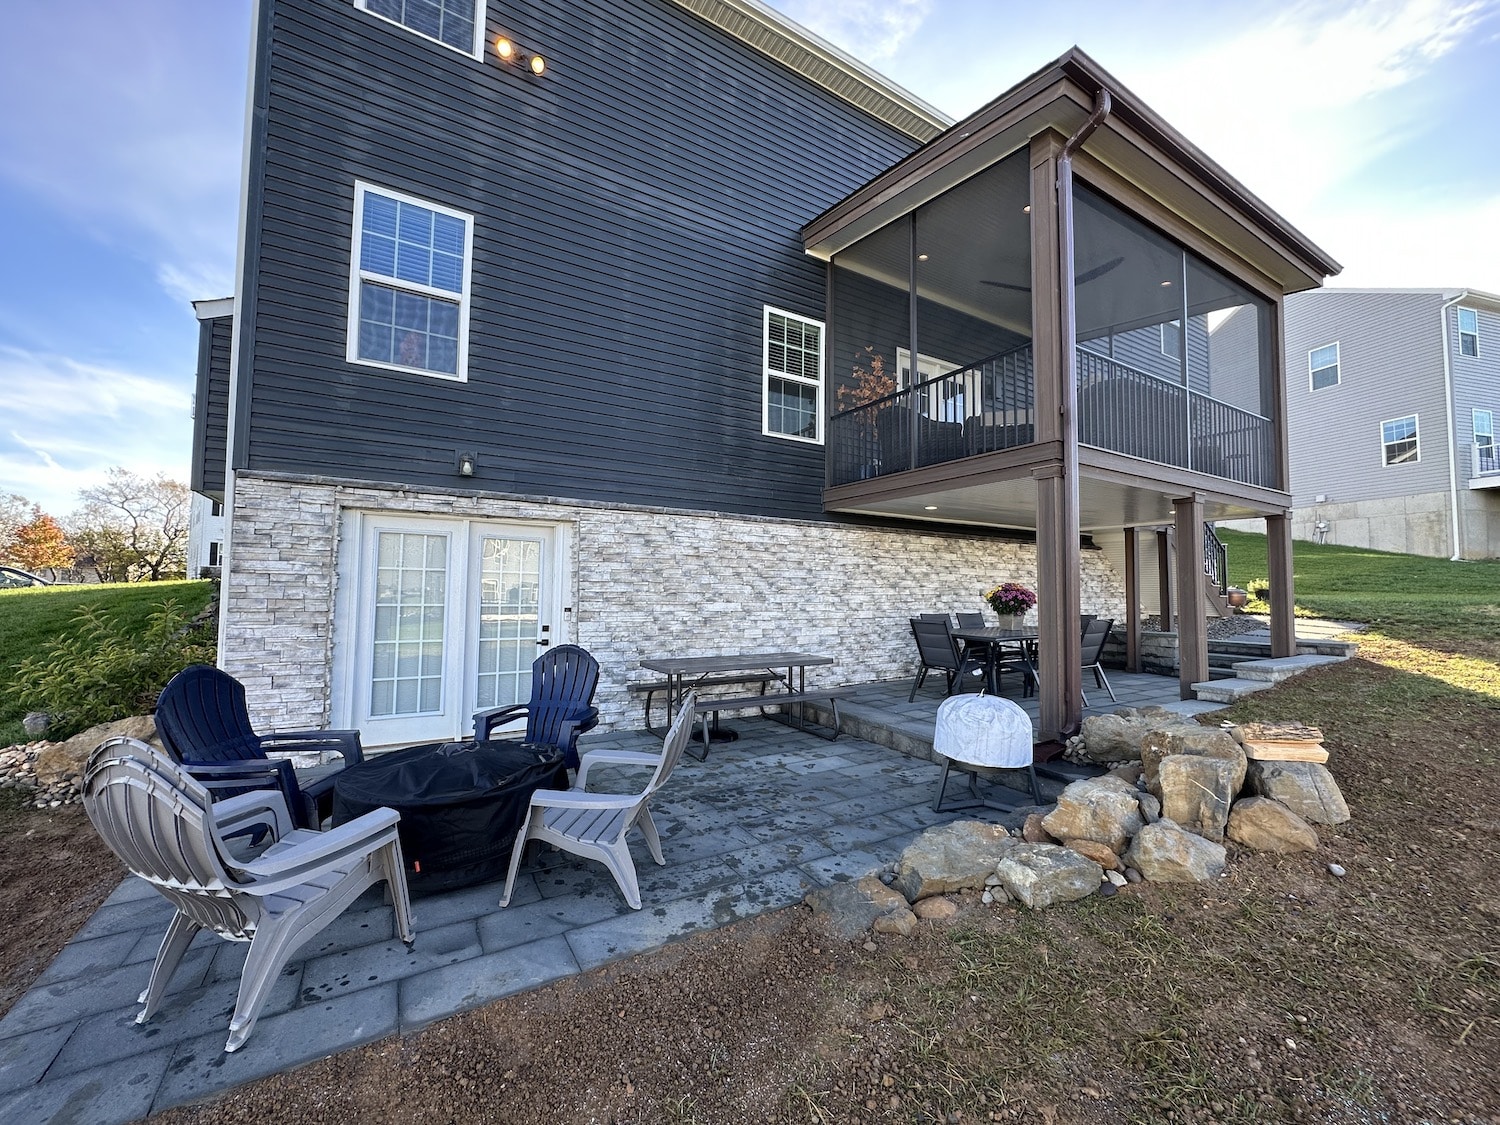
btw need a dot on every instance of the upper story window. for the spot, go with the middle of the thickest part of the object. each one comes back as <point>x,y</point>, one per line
<point>1468,332</point>
<point>1399,439</point>
<point>409,284</point>
<point>454,23</point>
<point>1323,366</point>
<point>1484,439</point>
<point>1171,338</point>
<point>793,376</point>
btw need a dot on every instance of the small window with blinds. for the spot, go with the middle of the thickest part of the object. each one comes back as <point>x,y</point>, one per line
<point>409,284</point>
<point>1468,332</point>
<point>453,23</point>
<point>793,376</point>
<point>1323,366</point>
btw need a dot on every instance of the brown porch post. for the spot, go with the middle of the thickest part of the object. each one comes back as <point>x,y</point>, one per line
<point>1192,618</point>
<point>1132,601</point>
<point>1164,580</point>
<point>1283,592</point>
<point>1059,672</point>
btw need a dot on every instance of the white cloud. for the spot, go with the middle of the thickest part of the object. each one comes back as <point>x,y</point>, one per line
<point>870,30</point>
<point>1456,245</point>
<point>66,422</point>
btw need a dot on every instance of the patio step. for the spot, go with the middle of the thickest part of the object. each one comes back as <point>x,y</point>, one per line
<point>1228,691</point>
<point>1283,668</point>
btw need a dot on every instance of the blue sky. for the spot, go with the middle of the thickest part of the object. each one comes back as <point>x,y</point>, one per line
<point>1369,126</point>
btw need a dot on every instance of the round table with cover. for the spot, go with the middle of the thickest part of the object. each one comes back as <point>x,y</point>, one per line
<point>461,804</point>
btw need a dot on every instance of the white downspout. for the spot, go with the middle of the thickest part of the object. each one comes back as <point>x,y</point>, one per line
<point>1452,428</point>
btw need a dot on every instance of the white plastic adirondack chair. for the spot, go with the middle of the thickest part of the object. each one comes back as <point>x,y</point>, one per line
<point>595,825</point>
<point>165,828</point>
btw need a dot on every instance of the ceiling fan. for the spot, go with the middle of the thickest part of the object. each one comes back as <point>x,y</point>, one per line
<point>1085,276</point>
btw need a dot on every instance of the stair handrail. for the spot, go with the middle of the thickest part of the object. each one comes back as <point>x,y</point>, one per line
<point>1216,558</point>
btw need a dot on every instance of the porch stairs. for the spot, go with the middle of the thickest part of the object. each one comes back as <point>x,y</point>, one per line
<point>1257,675</point>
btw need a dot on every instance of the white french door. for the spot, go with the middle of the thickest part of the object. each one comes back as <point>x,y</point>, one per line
<point>439,618</point>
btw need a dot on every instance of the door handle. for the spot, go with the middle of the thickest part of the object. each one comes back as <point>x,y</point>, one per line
<point>543,643</point>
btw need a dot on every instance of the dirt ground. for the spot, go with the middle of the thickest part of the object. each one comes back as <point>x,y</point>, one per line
<point>1280,992</point>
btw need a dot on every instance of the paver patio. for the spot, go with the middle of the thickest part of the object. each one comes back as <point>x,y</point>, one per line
<point>751,829</point>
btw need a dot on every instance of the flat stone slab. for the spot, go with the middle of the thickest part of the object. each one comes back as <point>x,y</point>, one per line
<point>1227,691</point>
<point>1280,668</point>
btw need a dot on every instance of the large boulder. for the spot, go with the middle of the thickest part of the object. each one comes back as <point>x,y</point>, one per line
<point>1039,875</point>
<point>1307,788</point>
<point>1103,809</point>
<point>62,760</point>
<point>848,909</point>
<point>1199,741</point>
<point>1112,738</point>
<point>1264,825</point>
<point>1101,854</point>
<point>952,857</point>
<point>1164,853</point>
<point>1197,791</point>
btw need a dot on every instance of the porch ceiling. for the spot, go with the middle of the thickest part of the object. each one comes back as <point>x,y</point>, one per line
<point>1106,502</point>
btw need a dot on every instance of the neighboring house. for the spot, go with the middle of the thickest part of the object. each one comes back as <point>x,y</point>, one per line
<point>1393,396</point>
<point>205,550</point>
<point>522,358</point>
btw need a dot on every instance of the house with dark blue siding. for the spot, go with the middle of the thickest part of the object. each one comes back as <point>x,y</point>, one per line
<point>665,327</point>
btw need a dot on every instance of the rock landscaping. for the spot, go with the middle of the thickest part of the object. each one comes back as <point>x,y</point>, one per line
<point>48,775</point>
<point>1178,791</point>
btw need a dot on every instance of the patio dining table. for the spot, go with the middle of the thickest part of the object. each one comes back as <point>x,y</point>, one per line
<point>996,642</point>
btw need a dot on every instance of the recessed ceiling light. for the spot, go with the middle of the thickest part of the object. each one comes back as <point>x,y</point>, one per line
<point>921,257</point>
<point>931,507</point>
<point>1027,209</point>
<point>1164,284</point>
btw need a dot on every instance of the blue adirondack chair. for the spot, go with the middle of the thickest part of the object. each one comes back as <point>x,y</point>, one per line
<point>204,723</point>
<point>563,682</point>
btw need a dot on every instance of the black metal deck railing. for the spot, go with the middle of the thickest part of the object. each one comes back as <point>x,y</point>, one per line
<point>990,406</point>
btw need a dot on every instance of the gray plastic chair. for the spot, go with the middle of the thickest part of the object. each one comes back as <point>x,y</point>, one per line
<point>164,827</point>
<point>596,825</point>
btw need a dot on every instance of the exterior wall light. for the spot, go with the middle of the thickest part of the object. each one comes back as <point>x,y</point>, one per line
<point>466,462</point>
<point>509,52</point>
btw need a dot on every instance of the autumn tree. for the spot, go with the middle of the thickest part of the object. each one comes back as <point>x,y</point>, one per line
<point>15,513</point>
<point>134,528</point>
<point>42,545</point>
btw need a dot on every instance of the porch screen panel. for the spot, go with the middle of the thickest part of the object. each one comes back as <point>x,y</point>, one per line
<point>1233,379</point>
<point>510,572</point>
<point>411,598</point>
<point>973,286</point>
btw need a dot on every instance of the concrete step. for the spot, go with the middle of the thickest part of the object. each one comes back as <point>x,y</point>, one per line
<point>1227,691</point>
<point>1274,671</point>
<point>1261,649</point>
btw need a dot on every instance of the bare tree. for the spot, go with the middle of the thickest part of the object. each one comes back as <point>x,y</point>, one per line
<point>134,528</point>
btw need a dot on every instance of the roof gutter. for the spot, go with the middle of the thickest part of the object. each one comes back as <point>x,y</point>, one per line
<point>1452,426</point>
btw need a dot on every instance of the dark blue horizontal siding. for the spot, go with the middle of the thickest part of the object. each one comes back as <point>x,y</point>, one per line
<point>211,406</point>
<point>634,210</point>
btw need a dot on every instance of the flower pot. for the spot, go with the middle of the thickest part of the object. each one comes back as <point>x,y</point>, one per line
<point>1011,620</point>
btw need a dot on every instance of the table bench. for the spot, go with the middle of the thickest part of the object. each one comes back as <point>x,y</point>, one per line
<point>796,699</point>
<point>651,687</point>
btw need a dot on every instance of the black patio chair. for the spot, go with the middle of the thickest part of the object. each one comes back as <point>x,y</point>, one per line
<point>204,723</point>
<point>1095,636</point>
<point>563,682</point>
<point>937,649</point>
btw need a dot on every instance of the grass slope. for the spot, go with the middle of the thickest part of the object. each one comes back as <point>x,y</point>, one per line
<point>32,618</point>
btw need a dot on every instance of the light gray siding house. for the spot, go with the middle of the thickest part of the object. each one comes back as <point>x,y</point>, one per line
<point>1392,399</point>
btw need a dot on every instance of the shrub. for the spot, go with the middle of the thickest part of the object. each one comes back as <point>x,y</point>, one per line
<point>1259,590</point>
<point>99,672</point>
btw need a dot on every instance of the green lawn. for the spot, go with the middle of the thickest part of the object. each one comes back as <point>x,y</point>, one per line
<point>32,617</point>
<point>1425,615</point>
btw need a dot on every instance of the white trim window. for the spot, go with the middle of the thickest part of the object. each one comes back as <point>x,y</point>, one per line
<point>1323,366</point>
<point>409,284</point>
<point>1484,439</point>
<point>1468,332</point>
<point>793,377</point>
<point>1171,338</point>
<point>453,23</point>
<point>1398,439</point>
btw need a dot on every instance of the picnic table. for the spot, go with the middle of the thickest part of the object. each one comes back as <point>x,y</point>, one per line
<point>786,670</point>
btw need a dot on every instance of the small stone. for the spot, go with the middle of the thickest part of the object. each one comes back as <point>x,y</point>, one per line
<point>992,880</point>
<point>935,909</point>
<point>1107,890</point>
<point>987,898</point>
<point>1335,870</point>
<point>902,922</point>
<point>887,877</point>
<point>1133,876</point>
<point>869,947</point>
<point>1116,878</point>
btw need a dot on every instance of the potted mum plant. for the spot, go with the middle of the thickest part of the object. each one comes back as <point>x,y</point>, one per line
<point>1010,600</point>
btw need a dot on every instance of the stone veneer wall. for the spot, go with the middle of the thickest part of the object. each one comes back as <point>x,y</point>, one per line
<point>644,581</point>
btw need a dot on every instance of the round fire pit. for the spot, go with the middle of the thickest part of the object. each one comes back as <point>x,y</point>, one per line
<point>461,804</point>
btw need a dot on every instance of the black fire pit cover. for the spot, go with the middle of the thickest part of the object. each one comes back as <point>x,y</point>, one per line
<point>461,804</point>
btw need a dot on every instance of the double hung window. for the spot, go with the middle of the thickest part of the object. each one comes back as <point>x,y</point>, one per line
<point>1398,438</point>
<point>454,23</point>
<point>409,284</point>
<point>793,376</point>
<point>1468,332</point>
<point>1323,366</point>
<point>1484,441</point>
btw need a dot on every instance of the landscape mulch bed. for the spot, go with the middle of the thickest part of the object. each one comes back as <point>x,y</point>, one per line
<point>1280,992</point>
